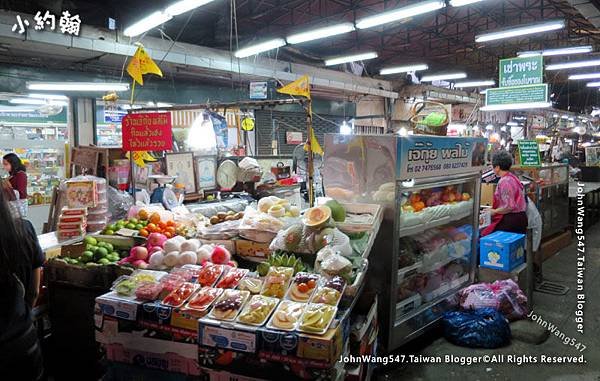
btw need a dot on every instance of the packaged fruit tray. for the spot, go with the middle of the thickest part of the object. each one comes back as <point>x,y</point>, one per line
<point>229,304</point>
<point>209,274</point>
<point>277,281</point>
<point>257,310</point>
<point>252,284</point>
<point>329,292</point>
<point>372,224</point>
<point>204,298</point>
<point>178,297</point>
<point>231,278</point>
<point>316,318</point>
<point>302,287</point>
<point>286,316</point>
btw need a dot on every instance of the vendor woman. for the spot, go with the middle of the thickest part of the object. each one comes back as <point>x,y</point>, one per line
<point>16,170</point>
<point>509,206</point>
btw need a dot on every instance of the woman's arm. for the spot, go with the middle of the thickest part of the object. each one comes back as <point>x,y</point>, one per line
<point>36,277</point>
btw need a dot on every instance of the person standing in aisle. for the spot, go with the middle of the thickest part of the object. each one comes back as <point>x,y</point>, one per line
<point>18,178</point>
<point>21,260</point>
<point>509,205</point>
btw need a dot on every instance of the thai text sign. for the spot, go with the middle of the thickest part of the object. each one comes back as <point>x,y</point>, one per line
<point>147,132</point>
<point>529,153</point>
<point>521,71</point>
<point>517,94</point>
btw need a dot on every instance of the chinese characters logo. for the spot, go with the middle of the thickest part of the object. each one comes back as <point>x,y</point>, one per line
<point>68,24</point>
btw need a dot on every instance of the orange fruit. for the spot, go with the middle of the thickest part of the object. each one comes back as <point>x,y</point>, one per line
<point>162,225</point>
<point>154,218</point>
<point>168,235</point>
<point>170,223</point>
<point>144,233</point>
<point>151,227</point>
<point>170,229</point>
<point>143,214</point>
<point>418,206</point>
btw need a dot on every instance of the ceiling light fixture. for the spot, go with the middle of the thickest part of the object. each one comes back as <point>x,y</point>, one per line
<point>49,96</point>
<point>351,58</point>
<point>403,69</point>
<point>512,124</point>
<point>78,86</point>
<point>517,106</point>
<point>183,6</point>
<point>573,65</point>
<point>16,109</point>
<point>260,47</point>
<point>584,76</point>
<point>443,77</point>
<point>460,3</point>
<point>319,33</point>
<point>400,13</point>
<point>27,101</point>
<point>522,31</point>
<point>557,52</point>
<point>474,84</point>
<point>152,21</point>
<point>593,84</point>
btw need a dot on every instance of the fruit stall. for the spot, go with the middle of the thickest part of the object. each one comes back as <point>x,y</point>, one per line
<point>255,292</point>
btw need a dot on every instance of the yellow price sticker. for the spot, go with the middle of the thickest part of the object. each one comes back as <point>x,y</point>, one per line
<point>248,124</point>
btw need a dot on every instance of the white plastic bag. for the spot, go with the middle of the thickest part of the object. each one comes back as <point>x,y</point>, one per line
<point>534,221</point>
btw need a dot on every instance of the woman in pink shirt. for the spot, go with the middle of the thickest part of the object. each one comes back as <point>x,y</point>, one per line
<point>509,206</point>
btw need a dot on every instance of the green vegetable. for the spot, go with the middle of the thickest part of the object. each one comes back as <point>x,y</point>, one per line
<point>90,240</point>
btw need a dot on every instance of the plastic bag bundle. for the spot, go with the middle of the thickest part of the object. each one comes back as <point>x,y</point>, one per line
<point>504,296</point>
<point>119,203</point>
<point>534,221</point>
<point>481,328</point>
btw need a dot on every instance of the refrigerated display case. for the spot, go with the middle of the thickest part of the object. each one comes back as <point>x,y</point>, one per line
<point>427,246</point>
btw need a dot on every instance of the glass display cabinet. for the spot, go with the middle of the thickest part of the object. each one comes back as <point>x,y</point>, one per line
<point>426,249</point>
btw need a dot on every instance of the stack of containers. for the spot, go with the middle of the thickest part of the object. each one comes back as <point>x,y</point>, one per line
<point>72,223</point>
<point>98,216</point>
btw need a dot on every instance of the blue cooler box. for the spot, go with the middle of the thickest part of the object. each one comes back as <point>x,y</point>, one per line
<point>502,251</point>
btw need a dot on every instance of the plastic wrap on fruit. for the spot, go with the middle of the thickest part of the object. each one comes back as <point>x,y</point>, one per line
<point>294,239</point>
<point>336,265</point>
<point>322,255</point>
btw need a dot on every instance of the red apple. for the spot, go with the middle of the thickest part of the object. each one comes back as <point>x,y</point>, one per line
<point>466,196</point>
<point>153,249</point>
<point>220,255</point>
<point>157,239</point>
<point>139,253</point>
<point>140,264</point>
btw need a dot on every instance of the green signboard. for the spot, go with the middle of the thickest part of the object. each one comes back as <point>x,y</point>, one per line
<point>517,94</point>
<point>529,153</point>
<point>521,71</point>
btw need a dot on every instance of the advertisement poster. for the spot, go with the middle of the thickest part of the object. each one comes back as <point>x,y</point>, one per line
<point>147,132</point>
<point>433,156</point>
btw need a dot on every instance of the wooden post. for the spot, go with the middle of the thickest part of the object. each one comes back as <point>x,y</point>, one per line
<point>309,152</point>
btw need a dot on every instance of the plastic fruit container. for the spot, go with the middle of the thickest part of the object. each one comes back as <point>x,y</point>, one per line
<point>251,284</point>
<point>257,310</point>
<point>186,274</point>
<point>148,291</point>
<point>326,295</point>
<point>171,282</point>
<point>209,274</point>
<point>316,318</point>
<point>302,287</point>
<point>286,316</point>
<point>232,278</point>
<point>178,297</point>
<point>277,281</point>
<point>337,283</point>
<point>204,298</point>
<point>124,285</point>
<point>229,304</point>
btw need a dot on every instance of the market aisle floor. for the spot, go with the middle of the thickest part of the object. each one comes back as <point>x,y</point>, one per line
<point>561,268</point>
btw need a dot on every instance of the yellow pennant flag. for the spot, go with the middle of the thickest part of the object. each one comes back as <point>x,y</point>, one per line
<point>314,144</point>
<point>300,87</point>
<point>140,158</point>
<point>141,63</point>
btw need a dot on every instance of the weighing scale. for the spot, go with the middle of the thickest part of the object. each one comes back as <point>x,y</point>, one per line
<point>164,195</point>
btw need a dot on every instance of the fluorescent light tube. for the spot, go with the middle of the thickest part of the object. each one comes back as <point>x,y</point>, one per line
<point>49,96</point>
<point>352,58</point>
<point>558,52</point>
<point>319,33</point>
<point>27,101</point>
<point>573,65</point>
<point>512,124</point>
<point>474,84</point>
<point>153,20</point>
<point>460,3</point>
<point>443,77</point>
<point>593,84</point>
<point>400,14</point>
<point>521,31</point>
<point>78,86</point>
<point>403,69</point>
<point>517,106</point>
<point>16,109</point>
<point>183,6</point>
<point>260,47</point>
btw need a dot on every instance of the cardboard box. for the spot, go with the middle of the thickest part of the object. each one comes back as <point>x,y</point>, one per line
<point>487,194</point>
<point>327,347</point>
<point>502,251</point>
<point>155,312</point>
<point>112,305</point>
<point>214,335</point>
<point>187,318</point>
<point>253,249</point>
